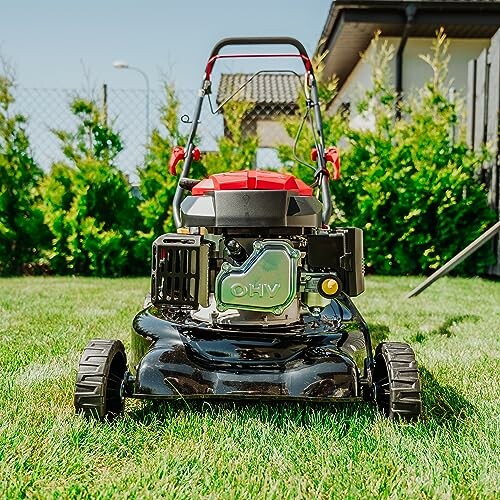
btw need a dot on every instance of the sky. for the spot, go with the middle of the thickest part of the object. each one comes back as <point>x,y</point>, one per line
<point>72,43</point>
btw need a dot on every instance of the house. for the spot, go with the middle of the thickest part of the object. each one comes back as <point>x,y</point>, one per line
<point>472,27</point>
<point>272,96</point>
<point>410,25</point>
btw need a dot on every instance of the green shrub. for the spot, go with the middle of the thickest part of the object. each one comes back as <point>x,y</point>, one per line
<point>406,183</point>
<point>22,232</point>
<point>87,202</point>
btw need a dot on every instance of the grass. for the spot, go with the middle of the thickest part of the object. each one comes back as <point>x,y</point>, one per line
<point>229,450</point>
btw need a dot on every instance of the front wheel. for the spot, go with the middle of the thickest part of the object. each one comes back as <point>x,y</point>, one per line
<point>396,381</point>
<point>99,379</point>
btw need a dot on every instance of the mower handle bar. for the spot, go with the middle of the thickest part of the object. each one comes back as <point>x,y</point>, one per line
<point>259,40</point>
<point>281,40</point>
<point>267,40</point>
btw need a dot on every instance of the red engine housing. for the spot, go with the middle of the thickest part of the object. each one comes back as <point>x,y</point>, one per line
<point>252,180</point>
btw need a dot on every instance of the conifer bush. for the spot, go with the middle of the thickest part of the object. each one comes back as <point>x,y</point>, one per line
<point>87,201</point>
<point>22,232</point>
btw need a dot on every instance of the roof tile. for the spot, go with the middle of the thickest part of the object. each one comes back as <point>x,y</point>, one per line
<point>265,88</point>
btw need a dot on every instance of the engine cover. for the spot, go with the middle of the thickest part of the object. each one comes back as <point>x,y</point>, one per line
<point>266,281</point>
<point>251,208</point>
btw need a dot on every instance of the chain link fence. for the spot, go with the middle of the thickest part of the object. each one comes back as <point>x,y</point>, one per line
<point>127,109</point>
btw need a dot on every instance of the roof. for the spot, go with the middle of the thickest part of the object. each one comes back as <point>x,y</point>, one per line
<point>350,25</point>
<point>265,88</point>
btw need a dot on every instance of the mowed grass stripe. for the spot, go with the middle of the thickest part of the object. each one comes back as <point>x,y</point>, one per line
<point>235,450</point>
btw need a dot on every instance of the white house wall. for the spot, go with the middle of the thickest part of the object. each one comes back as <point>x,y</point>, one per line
<point>415,71</point>
<point>358,81</point>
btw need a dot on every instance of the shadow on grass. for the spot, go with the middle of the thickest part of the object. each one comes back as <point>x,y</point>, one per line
<point>445,329</point>
<point>442,403</point>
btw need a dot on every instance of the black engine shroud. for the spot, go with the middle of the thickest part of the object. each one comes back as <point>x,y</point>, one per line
<point>251,209</point>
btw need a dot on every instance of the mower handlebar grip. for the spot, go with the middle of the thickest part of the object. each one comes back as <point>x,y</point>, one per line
<point>259,40</point>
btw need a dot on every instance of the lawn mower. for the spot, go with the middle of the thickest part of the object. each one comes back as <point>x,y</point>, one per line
<point>251,297</point>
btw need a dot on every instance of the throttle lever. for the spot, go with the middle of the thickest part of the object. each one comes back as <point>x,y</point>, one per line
<point>331,156</point>
<point>179,154</point>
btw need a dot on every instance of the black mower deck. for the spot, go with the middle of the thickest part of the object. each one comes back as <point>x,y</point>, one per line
<point>321,359</point>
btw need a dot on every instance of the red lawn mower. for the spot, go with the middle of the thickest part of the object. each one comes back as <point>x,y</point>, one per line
<point>251,298</point>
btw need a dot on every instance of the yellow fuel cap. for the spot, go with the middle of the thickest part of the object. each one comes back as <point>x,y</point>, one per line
<point>329,287</point>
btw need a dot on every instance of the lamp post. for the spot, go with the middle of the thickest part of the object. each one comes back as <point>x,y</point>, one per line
<point>125,65</point>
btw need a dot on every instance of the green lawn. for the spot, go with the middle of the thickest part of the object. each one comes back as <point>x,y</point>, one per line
<point>210,450</point>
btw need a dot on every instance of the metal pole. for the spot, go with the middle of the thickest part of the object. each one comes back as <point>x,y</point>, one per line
<point>410,12</point>
<point>105,103</point>
<point>470,249</point>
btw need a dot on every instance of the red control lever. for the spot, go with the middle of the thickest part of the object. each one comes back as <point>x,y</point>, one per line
<point>196,154</point>
<point>179,154</point>
<point>332,156</point>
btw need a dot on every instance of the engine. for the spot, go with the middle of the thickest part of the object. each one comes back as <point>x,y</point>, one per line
<point>254,256</point>
<point>256,274</point>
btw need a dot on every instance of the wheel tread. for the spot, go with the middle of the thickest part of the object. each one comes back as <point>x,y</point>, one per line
<point>91,396</point>
<point>404,381</point>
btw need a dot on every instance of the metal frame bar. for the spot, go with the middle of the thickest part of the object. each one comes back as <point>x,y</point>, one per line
<point>323,179</point>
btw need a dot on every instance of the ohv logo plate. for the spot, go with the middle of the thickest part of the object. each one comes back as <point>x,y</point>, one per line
<point>266,281</point>
<point>255,289</point>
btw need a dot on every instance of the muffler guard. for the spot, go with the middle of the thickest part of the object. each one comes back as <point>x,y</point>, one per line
<point>182,359</point>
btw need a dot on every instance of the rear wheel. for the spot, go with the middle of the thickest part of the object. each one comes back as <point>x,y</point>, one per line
<point>396,381</point>
<point>99,379</point>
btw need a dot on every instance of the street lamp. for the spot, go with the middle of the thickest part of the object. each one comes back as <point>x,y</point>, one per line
<point>125,65</point>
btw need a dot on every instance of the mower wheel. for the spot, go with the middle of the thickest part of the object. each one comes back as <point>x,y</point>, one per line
<point>99,379</point>
<point>396,381</point>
